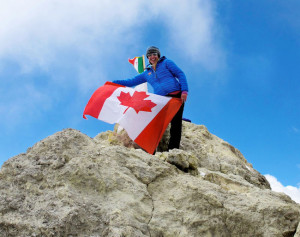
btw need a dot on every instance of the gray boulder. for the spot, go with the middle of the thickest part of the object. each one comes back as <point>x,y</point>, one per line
<point>72,185</point>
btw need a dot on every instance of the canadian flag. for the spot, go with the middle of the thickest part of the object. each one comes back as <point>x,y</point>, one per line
<point>144,116</point>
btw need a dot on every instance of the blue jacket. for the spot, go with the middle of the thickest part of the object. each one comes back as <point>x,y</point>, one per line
<point>166,79</point>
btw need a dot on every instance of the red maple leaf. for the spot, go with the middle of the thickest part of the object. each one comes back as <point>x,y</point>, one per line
<point>136,101</point>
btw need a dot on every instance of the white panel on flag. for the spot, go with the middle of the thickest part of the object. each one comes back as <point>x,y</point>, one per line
<point>133,122</point>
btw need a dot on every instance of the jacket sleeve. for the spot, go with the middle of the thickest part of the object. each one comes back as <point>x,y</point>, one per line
<point>139,79</point>
<point>178,73</point>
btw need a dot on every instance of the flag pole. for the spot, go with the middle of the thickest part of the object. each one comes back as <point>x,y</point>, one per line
<point>144,64</point>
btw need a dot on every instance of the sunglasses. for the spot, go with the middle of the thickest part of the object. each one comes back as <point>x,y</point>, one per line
<point>152,54</point>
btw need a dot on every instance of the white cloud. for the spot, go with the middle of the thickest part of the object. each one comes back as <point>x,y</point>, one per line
<point>42,33</point>
<point>81,44</point>
<point>194,29</point>
<point>291,191</point>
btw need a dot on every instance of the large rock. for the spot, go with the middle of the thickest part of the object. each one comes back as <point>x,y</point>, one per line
<point>72,185</point>
<point>298,232</point>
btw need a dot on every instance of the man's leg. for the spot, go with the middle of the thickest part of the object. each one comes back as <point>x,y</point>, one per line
<point>175,131</point>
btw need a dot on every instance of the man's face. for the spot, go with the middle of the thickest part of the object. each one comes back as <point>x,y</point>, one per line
<point>153,58</point>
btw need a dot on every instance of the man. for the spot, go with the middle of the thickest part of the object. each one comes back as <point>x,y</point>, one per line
<point>167,79</point>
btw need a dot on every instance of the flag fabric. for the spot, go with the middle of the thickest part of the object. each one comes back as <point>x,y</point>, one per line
<point>138,63</point>
<point>141,87</point>
<point>144,116</point>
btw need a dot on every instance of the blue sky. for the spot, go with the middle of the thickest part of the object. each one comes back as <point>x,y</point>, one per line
<point>240,59</point>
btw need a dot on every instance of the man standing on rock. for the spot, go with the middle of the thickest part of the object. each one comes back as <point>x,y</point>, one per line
<point>167,79</point>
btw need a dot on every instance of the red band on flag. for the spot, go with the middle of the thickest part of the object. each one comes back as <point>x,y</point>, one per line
<point>131,61</point>
<point>99,98</point>
<point>156,128</point>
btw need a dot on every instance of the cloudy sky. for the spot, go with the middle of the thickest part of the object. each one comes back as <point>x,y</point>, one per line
<point>240,57</point>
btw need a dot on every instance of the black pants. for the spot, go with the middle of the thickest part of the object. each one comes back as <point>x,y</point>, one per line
<point>176,127</point>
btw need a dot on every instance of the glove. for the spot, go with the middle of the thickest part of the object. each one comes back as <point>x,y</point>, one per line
<point>183,96</point>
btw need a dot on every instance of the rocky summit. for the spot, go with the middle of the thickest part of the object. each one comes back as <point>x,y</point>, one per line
<point>72,185</point>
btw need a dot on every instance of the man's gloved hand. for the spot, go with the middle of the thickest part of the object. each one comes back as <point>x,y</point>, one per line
<point>183,96</point>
